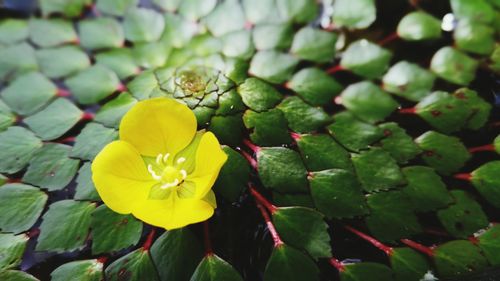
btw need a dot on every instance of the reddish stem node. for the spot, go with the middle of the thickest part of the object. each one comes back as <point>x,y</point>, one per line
<point>88,116</point>
<point>63,93</point>
<point>463,176</point>
<point>68,139</point>
<point>33,232</point>
<point>208,243</point>
<point>102,259</point>
<point>262,200</point>
<point>252,146</point>
<point>337,264</point>
<point>121,88</point>
<point>250,159</point>
<point>248,25</point>
<point>410,110</point>
<point>419,247</point>
<point>473,240</point>
<point>14,180</point>
<point>389,38</point>
<point>295,136</point>
<point>386,249</point>
<point>274,234</point>
<point>335,69</point>
<point>149,240</point>
<point>337,100</point>
<point>487,147</point>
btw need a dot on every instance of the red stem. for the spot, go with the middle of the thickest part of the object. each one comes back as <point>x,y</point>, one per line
<point>386,249</point>
<point>252,146</point>
<point>337,264</point>
<point>410,110</point>
<point>208,243</point>
<point>68,139</point>
<point>463,176</point>
<point>149,240</point>
<point>276,237</point>
<point>262,200</point>
<point>335,69</point>
<point>295,136</point>
<point>250,159</point>
<point>88,116</point>
<point>63,93</point>
<point>389,38</point>
<point>419,247</point>
<point>487,147</point>
<point>102,259</point>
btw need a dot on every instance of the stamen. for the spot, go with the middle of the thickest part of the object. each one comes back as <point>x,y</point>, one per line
<point>170,184</point>
<point>165,158</point>
<point>158,159</point>
<point>152,172</point>
<point>181,160</point>
<point>184,174</point>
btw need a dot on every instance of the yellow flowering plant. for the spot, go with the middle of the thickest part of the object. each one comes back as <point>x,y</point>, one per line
<point>161,170</point>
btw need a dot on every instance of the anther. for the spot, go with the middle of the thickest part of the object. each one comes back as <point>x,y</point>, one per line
<point>165,158</point>
<point>152,172</point>
<point>184,174</point>
<point>181,160</point>
<point>158,159</point>
<point>170,184</point>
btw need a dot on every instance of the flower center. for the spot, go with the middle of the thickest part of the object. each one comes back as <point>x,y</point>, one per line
<point>167,173</point>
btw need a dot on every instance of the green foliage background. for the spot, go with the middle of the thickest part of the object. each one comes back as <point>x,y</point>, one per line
<point>354,115</point>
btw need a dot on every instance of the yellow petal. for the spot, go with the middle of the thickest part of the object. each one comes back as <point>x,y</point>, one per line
<point>209,160</point>
<point>159,125</point>
<point>173,212</point>
<point>120,177</point>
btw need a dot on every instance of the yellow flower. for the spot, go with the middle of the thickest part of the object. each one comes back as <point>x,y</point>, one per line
<point>161,170</point>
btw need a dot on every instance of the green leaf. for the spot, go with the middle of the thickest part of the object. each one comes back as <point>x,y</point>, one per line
<point>62,61</point>
<point>425,189</point>
<point>112,232</point>
<point>100,33</point>
<point>134,266</point>
<point>194,10</point>
<point>259,95</point>
<point>261,11</point>
<point>444,153</point>
<point>391,216</point>
<point>314,44</point>
<point>82,270</point>
<point>408,264</point>
<point>67,8</point>
<point>51,32</point>
<point>277,36</point>
<point>111,113</point>
<point>314,86</point>
<point>151,55</point>
<point>352,132</point>
<point>226,17</point>
<point>398,143</point>
<point>143,25</point>
<point>454,66</point>
<point>464,217</point>
<point>366,271</point>
<point>474,37</point>
<point>93,84</point>
<point>228,129</point>
<point>282,170</point>
<point>377,170</point>
<point>176,254</point>
<point>51,167</point>
<point>303,228</point>
<point>230,103</point>
<point>85,189</point>
<point>458,257</point>
<point>7,118</point>
<point>238,44</point>
<point>337,194</point>
<point>302,117</point>
<point>115,8</point>
<point>20,205</point>
<point>485,180</point>
<point>408,80</point>
<point>299,11</point>
<point>419,25</point>
<point>16,60</point>
<point>267,128</point>
<point>366,59</point>
<point>178,30</point>
<point>477,11</point>
<point>28,93</point>
<point>293,200</point>
<point>357,14</point>
<point>273,66</point>
<point>13,31</point>
<point>120,60</point>
<point>287,263</point>
<point>91,140</point>
<point>55,119</point>
<point>368,102</point>
<point>17,146</point>
<point>490,245</point>
<point>213,268</point>
<point>15,275</point>
<point>65,226</point>
<point>234,175</point>
<point>312,148</point>
<point>12,248</point>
